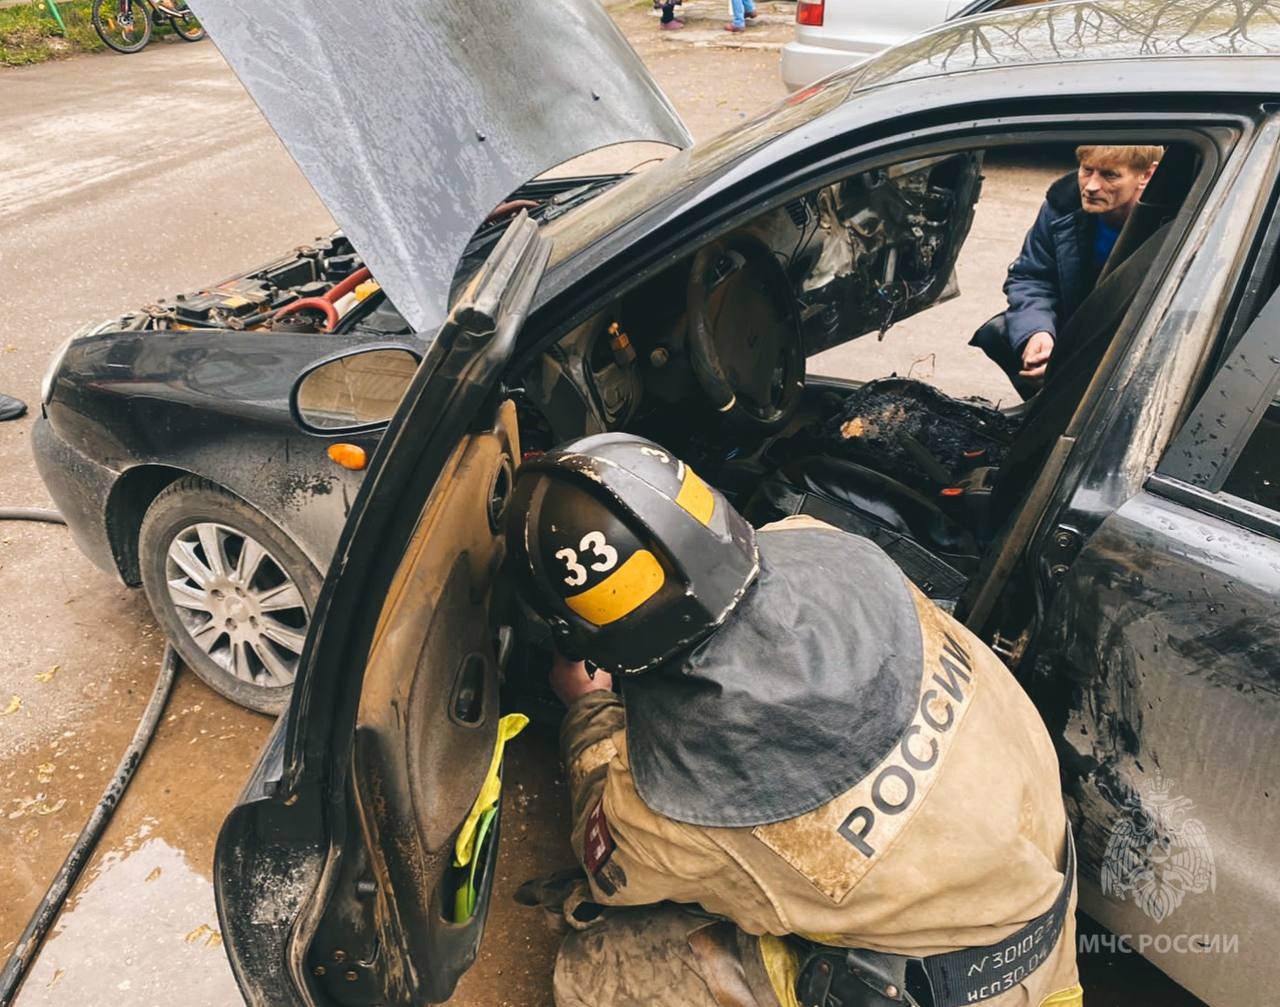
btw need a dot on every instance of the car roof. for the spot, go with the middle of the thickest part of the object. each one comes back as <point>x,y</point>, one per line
<point>1082,52</point>
<point>1075,32</point>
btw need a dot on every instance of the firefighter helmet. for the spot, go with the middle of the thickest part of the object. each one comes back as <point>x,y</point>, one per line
<point>625,551</point>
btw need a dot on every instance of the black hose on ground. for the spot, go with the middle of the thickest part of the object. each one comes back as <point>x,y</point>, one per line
<point>24,954</point>
<point>31,514</point>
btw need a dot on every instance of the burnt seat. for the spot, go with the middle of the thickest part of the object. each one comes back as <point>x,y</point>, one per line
<point>934,537</point>
<point>933,549</point>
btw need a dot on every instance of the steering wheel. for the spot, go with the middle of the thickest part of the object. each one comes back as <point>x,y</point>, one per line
<point>745,338</point>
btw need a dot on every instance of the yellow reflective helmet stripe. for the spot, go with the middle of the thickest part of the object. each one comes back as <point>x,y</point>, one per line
<point>622,592</point>
<point>695,497</point>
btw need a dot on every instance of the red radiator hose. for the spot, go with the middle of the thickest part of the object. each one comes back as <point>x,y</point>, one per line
<point>318,303</point>
<point>326,301</point>
<point>346,286</point>
<point>510,207</point>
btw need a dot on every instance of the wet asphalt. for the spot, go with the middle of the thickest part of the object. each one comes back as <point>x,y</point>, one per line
<point>127,178</point>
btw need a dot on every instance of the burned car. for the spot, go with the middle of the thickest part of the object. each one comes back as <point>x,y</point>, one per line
<point>1114,540</point>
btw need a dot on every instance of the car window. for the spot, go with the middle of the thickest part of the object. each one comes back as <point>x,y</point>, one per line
<point>1227,448</point>
<point>956,344</point>
<point>1256,475</point>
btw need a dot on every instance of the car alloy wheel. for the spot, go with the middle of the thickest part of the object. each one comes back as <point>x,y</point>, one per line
<point>239,604</point>
<point>233,592</point>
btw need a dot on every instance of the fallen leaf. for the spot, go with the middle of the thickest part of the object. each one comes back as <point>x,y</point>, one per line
<point>15,704</point>
<point>51,809</point>
<point>203,932</point>
<point>155,873</point>
<point>56,976</point>
<point>47,676</point>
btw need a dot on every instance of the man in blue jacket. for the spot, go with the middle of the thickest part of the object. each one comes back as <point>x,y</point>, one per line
<point>1062,257</point>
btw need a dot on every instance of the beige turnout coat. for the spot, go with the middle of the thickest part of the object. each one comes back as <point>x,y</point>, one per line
<point>956,839</point>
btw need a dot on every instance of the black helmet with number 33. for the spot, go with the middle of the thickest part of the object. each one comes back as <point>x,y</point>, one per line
<point>626,553</point>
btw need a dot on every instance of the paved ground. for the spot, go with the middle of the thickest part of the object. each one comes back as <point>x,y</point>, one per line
<point>123,178</point>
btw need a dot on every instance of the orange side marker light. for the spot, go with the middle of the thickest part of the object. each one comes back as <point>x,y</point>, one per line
<point>349,456</point>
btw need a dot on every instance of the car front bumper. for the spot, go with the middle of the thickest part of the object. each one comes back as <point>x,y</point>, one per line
<point>80,488</point>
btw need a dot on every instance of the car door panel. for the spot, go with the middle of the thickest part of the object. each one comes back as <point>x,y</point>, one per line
<point>1172,633</point>
<point>428,711</point>
<point>1164,684</point>
<point>327,879</point>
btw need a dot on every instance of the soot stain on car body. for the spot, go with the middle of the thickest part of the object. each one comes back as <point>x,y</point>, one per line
<point>297,486</point>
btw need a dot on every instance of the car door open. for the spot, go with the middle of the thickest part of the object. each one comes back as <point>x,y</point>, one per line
<point>428,718</point>
<point>335,874</point>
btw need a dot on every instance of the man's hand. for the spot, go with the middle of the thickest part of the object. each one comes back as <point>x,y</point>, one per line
<point>570,681</point>
<point>1035,357</point>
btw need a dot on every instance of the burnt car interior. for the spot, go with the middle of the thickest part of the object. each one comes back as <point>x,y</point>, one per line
<point>708,360</point>
<point>707,357</point>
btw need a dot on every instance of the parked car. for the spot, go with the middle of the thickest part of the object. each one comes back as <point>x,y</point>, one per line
<point>167,440</point>
<point>832,34</point>
<point>1117,541</point>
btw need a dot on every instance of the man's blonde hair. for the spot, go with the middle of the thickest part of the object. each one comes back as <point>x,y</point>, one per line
<point>1133,158</point>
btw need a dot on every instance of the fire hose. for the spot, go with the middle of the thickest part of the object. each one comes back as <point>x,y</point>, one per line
<point>24,953</point>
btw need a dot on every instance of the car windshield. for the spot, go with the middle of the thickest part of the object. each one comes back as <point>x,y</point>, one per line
<point>575,231</point>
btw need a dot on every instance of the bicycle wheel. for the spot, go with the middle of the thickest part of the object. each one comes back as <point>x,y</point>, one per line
<point>185,25</point>
<point>125,25</point>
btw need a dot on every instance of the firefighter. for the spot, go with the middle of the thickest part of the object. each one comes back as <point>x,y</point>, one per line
<point>815,786</point>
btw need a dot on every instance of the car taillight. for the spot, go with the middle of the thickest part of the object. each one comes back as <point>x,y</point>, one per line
<point>810,11</point>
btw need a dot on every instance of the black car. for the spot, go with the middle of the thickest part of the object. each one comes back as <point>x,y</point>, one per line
<point>168,441</point>
<point>1116,540</point>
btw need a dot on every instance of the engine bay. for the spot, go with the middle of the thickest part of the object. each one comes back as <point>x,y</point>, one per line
<point>324,286</point>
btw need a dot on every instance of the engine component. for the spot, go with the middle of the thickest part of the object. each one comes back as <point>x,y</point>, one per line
<point>233,299</point>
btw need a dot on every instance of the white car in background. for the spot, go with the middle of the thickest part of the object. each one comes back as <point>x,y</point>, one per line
<point>831,34</point>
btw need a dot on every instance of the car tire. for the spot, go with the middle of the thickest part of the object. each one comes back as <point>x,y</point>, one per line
<point>231,590</point>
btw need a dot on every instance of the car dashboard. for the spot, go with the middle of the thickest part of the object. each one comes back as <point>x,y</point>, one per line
<point>849,258</point>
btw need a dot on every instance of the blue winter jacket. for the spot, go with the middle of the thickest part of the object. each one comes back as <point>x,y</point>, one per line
<point>1054,272</point>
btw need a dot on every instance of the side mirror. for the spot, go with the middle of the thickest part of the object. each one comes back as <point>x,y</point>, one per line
<point>354,391</point>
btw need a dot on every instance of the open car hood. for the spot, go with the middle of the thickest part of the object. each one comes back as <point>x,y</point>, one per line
<point>413,119</point>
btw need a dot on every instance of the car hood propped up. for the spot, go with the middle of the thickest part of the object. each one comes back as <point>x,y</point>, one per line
<point>413,119</point>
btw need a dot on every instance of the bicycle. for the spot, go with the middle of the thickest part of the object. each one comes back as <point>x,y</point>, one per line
<point>125,25</point>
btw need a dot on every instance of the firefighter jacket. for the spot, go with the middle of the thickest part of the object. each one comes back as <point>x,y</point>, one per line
<point>955,838</point>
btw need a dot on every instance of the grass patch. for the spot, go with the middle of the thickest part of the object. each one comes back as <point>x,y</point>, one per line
<point>29,33</point>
